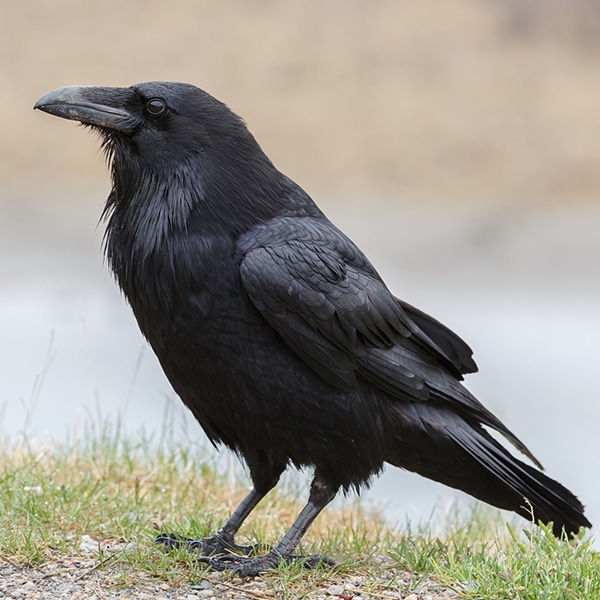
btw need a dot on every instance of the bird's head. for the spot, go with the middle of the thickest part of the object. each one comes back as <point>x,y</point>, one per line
<point>174,135</point>
<point>160,119</point>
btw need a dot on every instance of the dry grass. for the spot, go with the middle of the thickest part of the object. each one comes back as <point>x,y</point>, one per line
<point>471,99</point>
<point>112,489</point>
<point>80,519</point>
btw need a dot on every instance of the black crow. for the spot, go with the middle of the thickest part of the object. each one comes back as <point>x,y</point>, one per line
<point>275,329</point>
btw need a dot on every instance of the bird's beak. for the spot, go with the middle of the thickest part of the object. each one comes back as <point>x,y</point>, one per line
<point>98,106</point>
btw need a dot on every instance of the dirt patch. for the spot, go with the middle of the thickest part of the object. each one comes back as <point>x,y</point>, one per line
<point>473,99</point>
<point>86,579</point>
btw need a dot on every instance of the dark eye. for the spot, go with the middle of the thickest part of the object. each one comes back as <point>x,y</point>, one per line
<point>156,107</point>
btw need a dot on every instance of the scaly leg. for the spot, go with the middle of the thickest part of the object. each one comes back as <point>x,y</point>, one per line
<point>321,494</point>
<point>223,541</point>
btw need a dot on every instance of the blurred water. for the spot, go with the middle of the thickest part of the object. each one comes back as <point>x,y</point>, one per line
<point>522,286</point>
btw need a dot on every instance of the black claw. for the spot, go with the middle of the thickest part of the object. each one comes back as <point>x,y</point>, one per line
<point>313,561</point>
<point>169,540</point>
<point>241,566</point>
<point>218,544</point>
<point>220,553</point>
<point>244,566</point>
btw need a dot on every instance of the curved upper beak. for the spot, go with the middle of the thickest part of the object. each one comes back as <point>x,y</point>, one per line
<point>98,106</point>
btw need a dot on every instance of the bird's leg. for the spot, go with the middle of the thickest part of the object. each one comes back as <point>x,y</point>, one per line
<point>321,494</point>
<point>223,542</point>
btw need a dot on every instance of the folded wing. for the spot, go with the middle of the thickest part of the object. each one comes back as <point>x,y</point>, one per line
<point>328,303</point>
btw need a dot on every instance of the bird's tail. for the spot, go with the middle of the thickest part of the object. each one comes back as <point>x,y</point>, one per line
<point>467,457</point>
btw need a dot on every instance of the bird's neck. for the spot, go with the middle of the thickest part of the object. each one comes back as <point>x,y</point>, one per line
<point>149,210</point>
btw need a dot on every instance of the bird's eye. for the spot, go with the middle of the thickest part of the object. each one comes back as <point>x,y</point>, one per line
<point>156,107</point>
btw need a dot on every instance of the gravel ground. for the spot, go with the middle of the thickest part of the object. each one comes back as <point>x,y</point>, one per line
<point>82,578</point>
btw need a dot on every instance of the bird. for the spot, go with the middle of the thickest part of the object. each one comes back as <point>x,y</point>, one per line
<point>277,332</point>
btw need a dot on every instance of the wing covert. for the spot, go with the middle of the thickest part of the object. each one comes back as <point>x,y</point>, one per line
<point>338,316</point>
<point>331,307</point>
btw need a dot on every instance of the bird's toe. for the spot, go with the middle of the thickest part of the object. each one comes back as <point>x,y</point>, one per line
<point>244,566</point>
<point>218,544</point>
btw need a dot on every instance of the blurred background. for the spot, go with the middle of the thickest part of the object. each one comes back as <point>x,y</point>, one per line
<point>458,144</point>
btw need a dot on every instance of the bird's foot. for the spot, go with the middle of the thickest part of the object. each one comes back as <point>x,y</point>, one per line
<point>245,566</point>
<point>218,544</point>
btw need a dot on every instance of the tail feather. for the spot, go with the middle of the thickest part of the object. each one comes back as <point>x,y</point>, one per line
<point>549,500</point>
<point>441,445</point>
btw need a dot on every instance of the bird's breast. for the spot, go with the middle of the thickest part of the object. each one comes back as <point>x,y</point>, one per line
<point>184,280</point>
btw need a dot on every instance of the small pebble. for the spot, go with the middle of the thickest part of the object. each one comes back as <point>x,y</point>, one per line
<point>88,544</point>
<point>203,585</point>
<point>335,590</point>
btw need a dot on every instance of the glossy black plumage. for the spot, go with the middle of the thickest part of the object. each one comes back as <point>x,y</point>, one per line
<point>274,328</point>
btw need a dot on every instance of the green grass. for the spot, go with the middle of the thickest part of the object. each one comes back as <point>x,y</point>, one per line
<point>528,563</point>
<point>122,493</point>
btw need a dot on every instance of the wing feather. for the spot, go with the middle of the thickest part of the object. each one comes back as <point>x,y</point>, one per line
<point>331,307</point>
